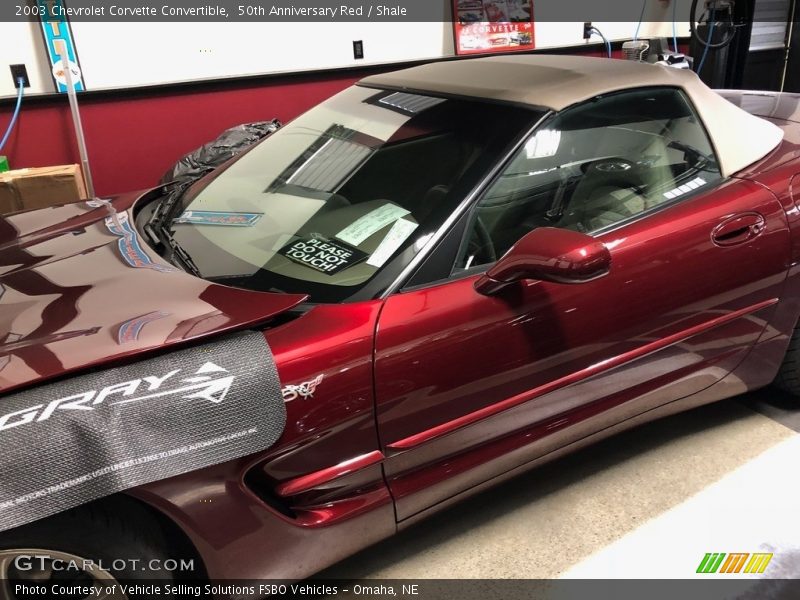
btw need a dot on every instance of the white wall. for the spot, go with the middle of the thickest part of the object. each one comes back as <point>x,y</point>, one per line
<point>189,51</point>
<point>22,43</point>
<point>122,55</point>
<point>552,35</point>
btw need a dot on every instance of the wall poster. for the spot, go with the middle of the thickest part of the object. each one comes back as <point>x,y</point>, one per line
<point>484,26</point>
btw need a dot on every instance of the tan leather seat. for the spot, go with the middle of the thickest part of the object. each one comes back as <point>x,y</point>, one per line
<point>616,189</point>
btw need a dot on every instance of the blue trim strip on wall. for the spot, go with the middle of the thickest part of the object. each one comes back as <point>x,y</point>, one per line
<point>56,28</point>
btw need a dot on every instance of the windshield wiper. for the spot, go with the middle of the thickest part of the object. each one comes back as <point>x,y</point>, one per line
<point>157,228</point>
<point>155,224</point>
<point>182,255</point>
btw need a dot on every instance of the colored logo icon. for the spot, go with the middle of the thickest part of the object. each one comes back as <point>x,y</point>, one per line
<point>742,562</point>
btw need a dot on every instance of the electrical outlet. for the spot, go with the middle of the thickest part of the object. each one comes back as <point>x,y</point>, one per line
<point>587,30</point>
<point>19,71</point>
<point>358,49</point>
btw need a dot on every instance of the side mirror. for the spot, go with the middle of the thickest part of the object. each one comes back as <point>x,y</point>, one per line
<point>548,254</point>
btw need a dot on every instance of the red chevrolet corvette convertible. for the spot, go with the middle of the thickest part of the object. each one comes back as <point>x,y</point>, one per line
<point>431,282</point>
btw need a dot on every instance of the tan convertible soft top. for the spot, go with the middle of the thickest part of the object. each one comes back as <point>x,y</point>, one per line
<point>557,82</point>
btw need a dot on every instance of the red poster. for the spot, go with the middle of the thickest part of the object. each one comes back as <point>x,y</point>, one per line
<point>483,26</point>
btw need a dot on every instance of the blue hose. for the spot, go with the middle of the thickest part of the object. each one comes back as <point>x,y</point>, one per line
<point>21,83</point>
<point>608,44</point>
<point>708,41</point>
<point>674,34</point>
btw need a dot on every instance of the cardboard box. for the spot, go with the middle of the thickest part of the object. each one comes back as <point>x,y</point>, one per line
<point>40,187</point>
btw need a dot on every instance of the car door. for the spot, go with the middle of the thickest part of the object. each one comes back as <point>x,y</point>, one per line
<point>470,386</point>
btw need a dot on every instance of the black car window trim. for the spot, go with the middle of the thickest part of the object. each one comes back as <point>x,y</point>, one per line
<point>465,206</point>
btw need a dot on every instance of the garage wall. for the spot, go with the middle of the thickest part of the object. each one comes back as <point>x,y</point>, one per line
<point>196,51</point>
<point>132,141</point>
<point>177,52</point>
<point>21,44</point>
<point>123,55</point>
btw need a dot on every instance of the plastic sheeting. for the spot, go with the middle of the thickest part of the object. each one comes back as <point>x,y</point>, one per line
<point>209,156</point>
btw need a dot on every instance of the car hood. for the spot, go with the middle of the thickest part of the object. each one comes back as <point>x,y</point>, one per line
<point>80,289</point>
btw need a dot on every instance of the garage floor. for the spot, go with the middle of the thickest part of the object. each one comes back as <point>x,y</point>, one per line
<point>721,478</point>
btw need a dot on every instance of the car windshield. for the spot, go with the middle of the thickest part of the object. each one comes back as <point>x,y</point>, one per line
<point>336,203</point>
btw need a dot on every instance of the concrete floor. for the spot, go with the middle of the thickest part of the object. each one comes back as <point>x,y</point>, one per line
<point>721,478</point>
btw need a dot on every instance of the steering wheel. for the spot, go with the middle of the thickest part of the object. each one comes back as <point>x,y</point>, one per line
<point>611,172</point>
<point>609,167</point>
<point>480,244</point>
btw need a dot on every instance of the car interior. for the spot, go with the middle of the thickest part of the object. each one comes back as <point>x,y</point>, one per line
<point>593,167</point>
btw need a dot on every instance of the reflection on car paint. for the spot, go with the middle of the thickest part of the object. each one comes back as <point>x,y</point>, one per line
<point>11,337</point>
<point>129,330</point>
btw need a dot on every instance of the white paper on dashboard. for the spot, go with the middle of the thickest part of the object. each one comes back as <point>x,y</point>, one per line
<point>371,223</point>
<point>394,239</point>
